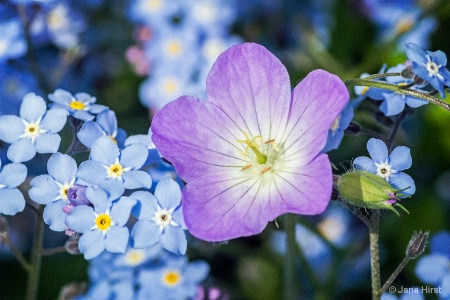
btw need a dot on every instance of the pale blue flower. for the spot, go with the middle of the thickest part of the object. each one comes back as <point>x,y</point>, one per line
<point>34,131</point>
<point>122,166</point>
<point>160,218</point>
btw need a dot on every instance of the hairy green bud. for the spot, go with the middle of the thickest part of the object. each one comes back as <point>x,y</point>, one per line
<point>364,189</point>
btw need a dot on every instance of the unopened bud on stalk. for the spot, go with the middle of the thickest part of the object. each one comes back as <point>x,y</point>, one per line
<point>364,189</point>
<point>417,244</point>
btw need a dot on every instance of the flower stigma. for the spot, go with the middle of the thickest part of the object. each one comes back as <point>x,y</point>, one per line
<point>32,130</point>
<point>258,153</point>
<point>163,218</point>
<point>384,170</point>
<point>432,67</point>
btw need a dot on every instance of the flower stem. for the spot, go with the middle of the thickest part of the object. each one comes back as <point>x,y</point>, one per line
<point>4,236</point>
<point>382,75</point>
<point>394,274</point>
<point>374,254</point>
<point>36,256</point>
<point>398,89</point>
<point>290,277</point>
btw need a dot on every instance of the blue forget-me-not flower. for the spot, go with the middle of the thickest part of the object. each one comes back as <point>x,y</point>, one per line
<point>11,199</point>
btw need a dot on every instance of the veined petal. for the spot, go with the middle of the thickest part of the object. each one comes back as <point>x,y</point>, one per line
<point>316,102</point>
<point>32,108</point>
<point>21,150</point>
<point>227,205</point>
<point>54,120</point>
<point>377,150</point>
<point>11,127</point>
<point>47,143</point>
<point>403,181</point>
<point>91,244</point>
<point>11,201</point>
<point>400,158</point>
<point>168,193</point>
<point>365,163</point>
<point>104,150</point>
<point>197,137</point>
<point>62,167</point>
<point>253,88</point>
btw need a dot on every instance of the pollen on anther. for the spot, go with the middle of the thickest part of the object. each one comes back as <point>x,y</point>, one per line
<point>247,166</point>
<point>266,169</point>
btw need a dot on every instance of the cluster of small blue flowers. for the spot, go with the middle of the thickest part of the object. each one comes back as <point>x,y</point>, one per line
<point>423,70</point>
<point>434,268</point>
<point>89,199</point>
<point>178,43</point>
<point>400,20</point>
<point>149,273</point>
<point>49,25</point>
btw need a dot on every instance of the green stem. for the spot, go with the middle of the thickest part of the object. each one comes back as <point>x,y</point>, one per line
<point>290,287</point>
<point>381,75</point>
<point>398,89</point>
<point>36,256</point>
<point>374,255</point>
<point>394,274</point>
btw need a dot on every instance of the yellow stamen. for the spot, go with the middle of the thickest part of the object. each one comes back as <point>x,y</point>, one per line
<point>247,166</point>
<point>171,278</point>
<point>251,144</point>
<point>103,221</point>
<point>266,169</point>
<point>77,105</point>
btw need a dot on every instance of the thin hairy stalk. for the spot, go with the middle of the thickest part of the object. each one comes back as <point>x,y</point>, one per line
<point>4,236</point>
<point>399,90</point>
<point>290,279</point>
<point>394,274</point>
<point>374,254</point>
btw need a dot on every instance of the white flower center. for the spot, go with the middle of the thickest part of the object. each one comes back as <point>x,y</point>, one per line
<point>63,191</point>
<point>384,170</point>
<point>32,130</point>
<point>432,67</point>
<point>116,170</point>
<point>163,218</point>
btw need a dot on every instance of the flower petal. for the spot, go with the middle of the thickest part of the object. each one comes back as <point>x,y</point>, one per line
<point>145,233</point>
<point>120,211</point>
<point>104,150</point>
<point>134,156</point>
<point>168,193</point>
<point>54,120</point>
<point>365,163</point>
<point>62,167</point>
<point>11,201</point>
<point>12,175</point>
<point>403,181</point>
<point>253,88</point>
<point>393,104</point>
<point>91,171</point>
<point>21,150</point>
<point>116,240</point>
<point>136,179</point>
<point>54,215</point>
<point>174,240</point>
<point>43,189</point>
<point>33,107</point>
<point>11,127</point>
<point>377,150</point>
<point>400,158</point>
<point>197,137</point>
<point>91,244</point>
<point>147,205</point>
<point>223,206</point>
<point>47,143</point>
<point>81,219</point>
<point>316,102</point>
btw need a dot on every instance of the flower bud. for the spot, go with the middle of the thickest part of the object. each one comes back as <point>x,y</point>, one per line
<point>417,244</point>
<point>364,189</point>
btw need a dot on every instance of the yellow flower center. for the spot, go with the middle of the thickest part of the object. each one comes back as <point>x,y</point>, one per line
<point>115,171</point>
<point>171,86</point>
<point>404,25</point>
<point>364,90</point>
<point>77,105</point>
<point>135,257</point>
<point>32,130</point>
<point>171,278</point>
<point>113,139</point>
<point>174,48</point>
<point>154,4</point>
<point>103,222</point>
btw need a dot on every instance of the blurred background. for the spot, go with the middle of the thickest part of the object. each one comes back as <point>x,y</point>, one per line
<point>137,55</point>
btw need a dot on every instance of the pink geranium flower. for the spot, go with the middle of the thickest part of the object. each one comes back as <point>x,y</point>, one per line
<point>252,152</point>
